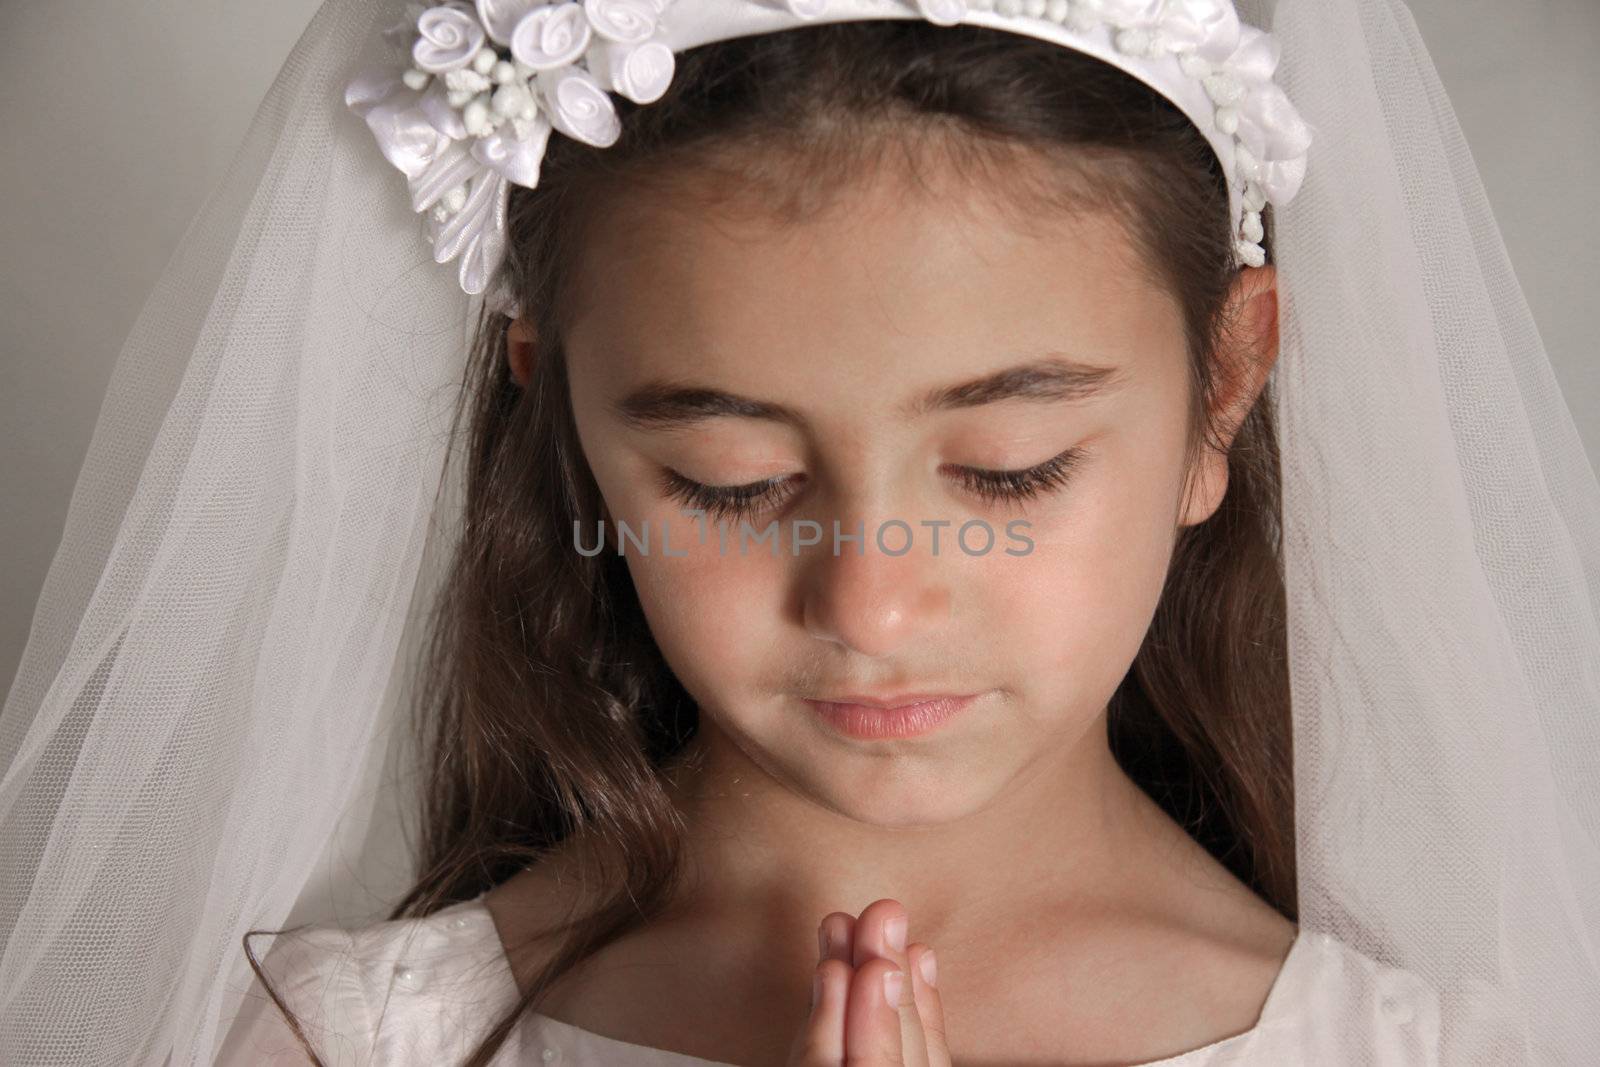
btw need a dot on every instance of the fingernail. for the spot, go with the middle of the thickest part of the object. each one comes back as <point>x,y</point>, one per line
<point>930,970</point>
<point>822,943</point>
<point>892,984</point>
<point>816,990</point>
<point>895,931</point>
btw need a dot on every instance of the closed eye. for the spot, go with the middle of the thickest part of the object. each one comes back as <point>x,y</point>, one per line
<point>993,486</point>
<point>1007,485</point>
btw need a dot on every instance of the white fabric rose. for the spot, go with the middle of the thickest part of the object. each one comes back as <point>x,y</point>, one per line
<point>405,136</point>
<point>551,36</point>
<point>579,106</point>
<point>500,17</point>
<point>450,36</point>
<point>623,21</point>
<point>640,72</point>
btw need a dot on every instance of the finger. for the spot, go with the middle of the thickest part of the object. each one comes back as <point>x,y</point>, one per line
<point>836,935</point>
<point>930,1008</point>
<point>821,1039</point>
<point>881,933</point>
<point>821,1042</point>
<point>872,1025</point>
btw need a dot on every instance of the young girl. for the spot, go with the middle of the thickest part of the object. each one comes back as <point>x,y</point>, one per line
<point>948,569</point>
<point>996,751</point>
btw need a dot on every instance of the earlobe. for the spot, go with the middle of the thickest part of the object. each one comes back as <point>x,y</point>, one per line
<point>1207,485</point>
<point>519,350</point>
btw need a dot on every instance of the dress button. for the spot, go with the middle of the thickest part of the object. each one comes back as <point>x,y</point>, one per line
<point>548,1055</point>
<point>459,921</point>
<point>407,976</point>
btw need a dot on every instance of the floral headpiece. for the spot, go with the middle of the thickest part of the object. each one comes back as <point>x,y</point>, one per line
<point>469,108</point>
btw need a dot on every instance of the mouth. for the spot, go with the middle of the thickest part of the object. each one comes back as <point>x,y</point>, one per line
<point>880,718</point>
<point>891,701</point>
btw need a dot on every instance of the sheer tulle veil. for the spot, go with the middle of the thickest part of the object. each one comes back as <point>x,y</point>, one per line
<point>196,742</point>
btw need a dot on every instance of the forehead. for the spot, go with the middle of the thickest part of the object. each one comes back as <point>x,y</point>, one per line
<point>897,281</point>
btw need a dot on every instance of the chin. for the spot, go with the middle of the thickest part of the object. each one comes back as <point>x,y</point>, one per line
<point>900,798</point>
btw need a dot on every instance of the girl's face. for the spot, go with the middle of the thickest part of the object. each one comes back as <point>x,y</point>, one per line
<point>861,364</point>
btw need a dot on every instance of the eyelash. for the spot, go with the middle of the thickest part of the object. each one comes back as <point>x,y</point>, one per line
<point>992,486</point>
<point>1011,486</point>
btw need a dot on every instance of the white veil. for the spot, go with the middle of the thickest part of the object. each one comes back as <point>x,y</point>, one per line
<point>197,742</point>
<point>1442,548</point>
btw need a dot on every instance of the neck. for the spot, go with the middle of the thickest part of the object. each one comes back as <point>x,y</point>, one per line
<point>1058,832</point>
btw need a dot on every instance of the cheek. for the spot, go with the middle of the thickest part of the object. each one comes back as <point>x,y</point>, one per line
<point>1075,610</point>
<point>710,614</point>
<point>714,616</point>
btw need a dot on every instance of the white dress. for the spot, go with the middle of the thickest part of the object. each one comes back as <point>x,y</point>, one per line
<point>422,991</point>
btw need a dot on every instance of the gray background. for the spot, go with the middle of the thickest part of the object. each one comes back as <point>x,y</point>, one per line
<point>120,117</point>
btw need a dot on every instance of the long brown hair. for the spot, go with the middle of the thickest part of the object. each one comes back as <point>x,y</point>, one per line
<point>546,708</point>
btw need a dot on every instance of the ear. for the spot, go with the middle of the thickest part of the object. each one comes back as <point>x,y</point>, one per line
<point>1244,360</point>
<point>519,350</point>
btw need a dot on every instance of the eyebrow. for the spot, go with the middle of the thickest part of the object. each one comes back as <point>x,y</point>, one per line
<point>675,405</point>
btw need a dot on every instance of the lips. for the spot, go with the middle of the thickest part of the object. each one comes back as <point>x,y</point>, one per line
<point>899,700</point>
<point>881,721</point>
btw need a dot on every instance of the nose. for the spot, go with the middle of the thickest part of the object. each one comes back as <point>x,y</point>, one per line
<point>872,602</point>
